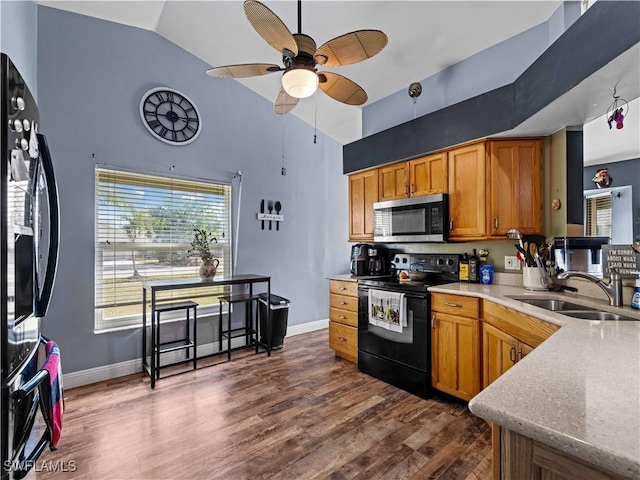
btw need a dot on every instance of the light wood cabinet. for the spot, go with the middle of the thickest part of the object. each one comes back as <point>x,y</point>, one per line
<point>363,193</point>
<point>455,345</point>
<point>467,192</point>
<point>515,180</point>
<point>418,177</point>
<point>507,337</point>
<point>343,319</point>
<point>523,457</point>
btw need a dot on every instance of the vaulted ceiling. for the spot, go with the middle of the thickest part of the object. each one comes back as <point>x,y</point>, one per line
<point>425,37</point>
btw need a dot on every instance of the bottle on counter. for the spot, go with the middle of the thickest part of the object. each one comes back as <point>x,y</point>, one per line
<point>635,300</point>
<point>464,268</point>
<point>474,267</point>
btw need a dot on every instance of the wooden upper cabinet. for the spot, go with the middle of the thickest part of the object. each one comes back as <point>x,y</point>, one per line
<point>467,192</point>
<point>393,181</point>
<point>363,193</point>
<point>422,176</point>
<point>428,175</point>
<point>515,178</point>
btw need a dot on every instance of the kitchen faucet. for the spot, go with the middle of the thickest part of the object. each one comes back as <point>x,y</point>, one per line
<point>613,289</point>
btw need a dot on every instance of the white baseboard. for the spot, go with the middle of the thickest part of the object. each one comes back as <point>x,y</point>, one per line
<point>129,367</point>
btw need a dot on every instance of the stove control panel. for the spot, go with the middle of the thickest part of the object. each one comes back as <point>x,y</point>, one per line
<point>429,262</point>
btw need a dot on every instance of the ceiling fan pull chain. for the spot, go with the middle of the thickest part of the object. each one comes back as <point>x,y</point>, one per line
<point>283,170</point>
<point>315,119</point>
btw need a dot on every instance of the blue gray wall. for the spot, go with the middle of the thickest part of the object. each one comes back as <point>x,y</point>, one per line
<point>92,74</point>
<point>18,38</point>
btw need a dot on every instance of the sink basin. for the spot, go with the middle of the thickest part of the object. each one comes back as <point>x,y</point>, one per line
<point>552,304</point>
<point>597,315</point>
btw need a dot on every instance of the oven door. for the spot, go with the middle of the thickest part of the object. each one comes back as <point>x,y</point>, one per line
<point>411,347</point>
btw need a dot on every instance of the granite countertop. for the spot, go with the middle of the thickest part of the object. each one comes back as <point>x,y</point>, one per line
<point>579,391</point>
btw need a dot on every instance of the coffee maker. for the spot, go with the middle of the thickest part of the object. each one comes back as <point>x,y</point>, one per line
<point>378,261</point>
<point>360,259</point>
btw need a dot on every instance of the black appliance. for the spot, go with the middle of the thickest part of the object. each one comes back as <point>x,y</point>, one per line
<point>359,259</point>
<point>416,219</point>
<point>378,263</point>
<point>403,358</point>
<point>28,260</point>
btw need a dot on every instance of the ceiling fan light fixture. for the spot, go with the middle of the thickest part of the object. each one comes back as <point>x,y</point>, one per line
<point>300,82</point>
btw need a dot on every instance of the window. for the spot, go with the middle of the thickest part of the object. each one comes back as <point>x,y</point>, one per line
<point>598,215</point>
<point>144,228</point>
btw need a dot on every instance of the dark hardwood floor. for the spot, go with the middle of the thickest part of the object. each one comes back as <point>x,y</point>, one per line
<point>301,414</point>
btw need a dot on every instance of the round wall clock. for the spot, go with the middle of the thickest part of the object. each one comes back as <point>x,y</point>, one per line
<point>170,116</point>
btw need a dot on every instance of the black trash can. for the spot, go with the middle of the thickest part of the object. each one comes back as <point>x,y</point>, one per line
<point>279,312</point>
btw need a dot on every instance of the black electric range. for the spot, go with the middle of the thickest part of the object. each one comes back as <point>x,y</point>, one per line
<point>401,355</point>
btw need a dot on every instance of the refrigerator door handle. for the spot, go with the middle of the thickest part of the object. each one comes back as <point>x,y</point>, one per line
<point>42,300</point>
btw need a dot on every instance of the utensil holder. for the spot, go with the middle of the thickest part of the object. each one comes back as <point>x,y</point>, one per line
<point>532,279</point>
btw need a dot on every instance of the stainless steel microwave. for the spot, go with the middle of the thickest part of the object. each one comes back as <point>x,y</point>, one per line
<point>417,219</point>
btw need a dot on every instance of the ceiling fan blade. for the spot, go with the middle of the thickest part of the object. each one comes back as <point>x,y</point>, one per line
<point>350,48</point>
<point>284,102</point>
<point>341,88</point>
<point>270,27</point>
<point>243,70</point>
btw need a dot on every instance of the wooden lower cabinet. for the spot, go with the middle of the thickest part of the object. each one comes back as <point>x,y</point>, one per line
<point>343,319</point>
<point>455,345</point>
<point>500,351</point>
<point>522,457</point>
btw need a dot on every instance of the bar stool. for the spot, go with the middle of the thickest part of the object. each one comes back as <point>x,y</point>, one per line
<point>248,331</point>
<point>189,341</point>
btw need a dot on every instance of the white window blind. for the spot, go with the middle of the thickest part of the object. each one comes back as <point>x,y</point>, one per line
<point>598,215</point>
<point>144,228</point>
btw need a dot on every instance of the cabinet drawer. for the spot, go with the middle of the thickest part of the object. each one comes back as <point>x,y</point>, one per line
<point>529,330</point>
<point>344,288</point>
<point>343,316</point>
<point>456,305</point>
<point>343,302</point>
<point>343,339</point>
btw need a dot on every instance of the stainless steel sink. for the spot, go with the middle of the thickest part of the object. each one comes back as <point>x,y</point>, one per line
<point>597,315</point>
<point>552,304</point>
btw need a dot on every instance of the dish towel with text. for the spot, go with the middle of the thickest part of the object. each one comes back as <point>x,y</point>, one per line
<point>387,310</point>
<point>52,365</point>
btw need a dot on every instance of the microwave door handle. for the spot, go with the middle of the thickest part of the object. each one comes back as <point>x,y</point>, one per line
<point>42,301</point>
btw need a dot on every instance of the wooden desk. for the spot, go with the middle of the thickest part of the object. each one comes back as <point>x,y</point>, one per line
<point>153,287</point>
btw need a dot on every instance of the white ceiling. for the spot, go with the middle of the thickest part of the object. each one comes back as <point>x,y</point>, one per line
<point>424,38</point>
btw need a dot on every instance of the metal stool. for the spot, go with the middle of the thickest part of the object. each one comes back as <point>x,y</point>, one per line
<point>248,331</point>
<point>181,344</point>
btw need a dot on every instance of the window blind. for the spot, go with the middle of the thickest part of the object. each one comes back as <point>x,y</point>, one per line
<point>143,231</point>
<point>598,214</point>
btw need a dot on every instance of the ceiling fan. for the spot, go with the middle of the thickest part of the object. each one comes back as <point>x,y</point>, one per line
<point>300,58</point>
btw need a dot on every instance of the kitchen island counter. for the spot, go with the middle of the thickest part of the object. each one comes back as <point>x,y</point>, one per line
<point>579,391</point>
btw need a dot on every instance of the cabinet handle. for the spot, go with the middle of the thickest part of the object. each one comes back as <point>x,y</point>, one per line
<point>451,224</point>
<point>343,303</point>
<point>512,354</point>
<point>495,222</point>
<point>342,317</point>
<point>433,322</point>
<point>342,339</point>
<point>519,355</point>
<point>449,304</point>
<point>406,190</point>
<point>343,288</point>
<point>412,188</point>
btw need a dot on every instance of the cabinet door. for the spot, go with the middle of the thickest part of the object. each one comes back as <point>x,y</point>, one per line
<point>515,172</point>
<point>467,192</point>
<point>428,175</point>
<point>393,181</point>
<point>455,355</point>
<point>499,351</point>
<point>363,193</point>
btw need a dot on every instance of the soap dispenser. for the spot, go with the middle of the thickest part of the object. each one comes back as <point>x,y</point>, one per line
<point>635,301</point>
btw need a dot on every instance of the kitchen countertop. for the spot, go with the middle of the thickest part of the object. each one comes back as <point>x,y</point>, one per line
<point>579,391</point>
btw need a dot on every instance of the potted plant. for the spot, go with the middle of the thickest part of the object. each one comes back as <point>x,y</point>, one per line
<point>201,247</point>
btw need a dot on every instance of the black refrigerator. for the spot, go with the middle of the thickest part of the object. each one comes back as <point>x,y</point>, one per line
<point>29,230</point>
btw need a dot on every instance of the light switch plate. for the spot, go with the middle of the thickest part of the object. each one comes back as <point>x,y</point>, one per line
<point>511,263</point>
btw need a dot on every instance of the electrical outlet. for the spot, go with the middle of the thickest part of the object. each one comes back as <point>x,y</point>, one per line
<point>511,263</point>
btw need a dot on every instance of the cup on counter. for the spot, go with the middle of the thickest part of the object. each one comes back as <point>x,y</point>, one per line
<point>486,274</point>
<point>532,279</point>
